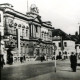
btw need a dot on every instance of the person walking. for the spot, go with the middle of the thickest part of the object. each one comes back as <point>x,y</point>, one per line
<point>73,60</point>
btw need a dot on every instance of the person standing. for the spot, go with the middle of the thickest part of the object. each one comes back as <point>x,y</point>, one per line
<point>1,61</point>
<point>21,59</point>
<point>24,58</point>
<point>73,60</point>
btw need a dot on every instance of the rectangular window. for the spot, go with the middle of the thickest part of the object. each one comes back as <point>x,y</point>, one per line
<point>65,44</point>
<point>30,29</point>
<point>42,36</point>
<point>53,43</point>
<point>59,53</point>
<point>45,36</point>
<point>14,30</point>
<point>26,32</point>
<point>36,28</point>
<point>59,44</point>
<point>0,17</point>
<point>22,32</point>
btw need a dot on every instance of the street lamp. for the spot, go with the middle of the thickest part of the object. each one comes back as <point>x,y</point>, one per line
<point>55,48</point>
<point>62,47</point>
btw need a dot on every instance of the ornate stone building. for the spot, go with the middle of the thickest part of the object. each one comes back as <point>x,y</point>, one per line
<point>26,34</point>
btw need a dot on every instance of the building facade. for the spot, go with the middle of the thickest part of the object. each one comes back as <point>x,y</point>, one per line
<point>26,34</point>
<point>68,47</point>
<point>64,44</point>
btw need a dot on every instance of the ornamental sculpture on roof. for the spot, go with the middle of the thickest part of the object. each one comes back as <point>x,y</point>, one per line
<point>34,9</point>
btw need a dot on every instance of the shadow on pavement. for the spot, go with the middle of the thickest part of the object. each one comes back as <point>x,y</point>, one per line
<point>66,70</point>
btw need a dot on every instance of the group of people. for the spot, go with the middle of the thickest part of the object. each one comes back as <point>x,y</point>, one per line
<point>73,60</point>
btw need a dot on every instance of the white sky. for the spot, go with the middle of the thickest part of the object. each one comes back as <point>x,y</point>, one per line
<point>64,14</point>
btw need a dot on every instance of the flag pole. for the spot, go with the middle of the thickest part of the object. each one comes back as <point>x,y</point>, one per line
<point>27,5</point>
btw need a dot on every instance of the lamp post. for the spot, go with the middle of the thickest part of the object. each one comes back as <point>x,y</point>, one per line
<point>62,47</point>
<point>55,48</point>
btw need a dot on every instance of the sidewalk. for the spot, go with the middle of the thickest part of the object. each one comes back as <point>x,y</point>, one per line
<point>38,62</point>
<point>27,63</point>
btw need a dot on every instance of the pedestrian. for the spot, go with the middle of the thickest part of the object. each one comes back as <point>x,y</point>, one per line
<point>42,58</point>
<point>24,58</point>
<point>73,60</point>
<point>9,56</point>
<point>21,59</point>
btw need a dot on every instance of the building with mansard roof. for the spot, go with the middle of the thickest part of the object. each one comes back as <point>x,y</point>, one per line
<point>25,34</point>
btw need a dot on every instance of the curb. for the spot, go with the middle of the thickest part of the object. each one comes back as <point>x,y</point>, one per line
<point>26,63</point>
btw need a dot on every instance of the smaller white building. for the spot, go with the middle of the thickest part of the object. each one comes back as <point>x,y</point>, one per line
<point>68,45</point>
<point>65,45</point>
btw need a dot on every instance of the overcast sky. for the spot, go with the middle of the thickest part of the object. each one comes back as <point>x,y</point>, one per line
<point>64,14</point>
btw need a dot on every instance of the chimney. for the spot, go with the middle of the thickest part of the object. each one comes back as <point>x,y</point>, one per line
<point>76,33</point>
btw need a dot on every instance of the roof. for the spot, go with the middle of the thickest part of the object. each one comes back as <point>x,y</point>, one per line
<point>29,17</point>
<point>59,32</point>
<point>75,38</point>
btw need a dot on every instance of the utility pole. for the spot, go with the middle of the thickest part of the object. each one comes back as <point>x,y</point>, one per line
<point>62,47</point>
<point>55,48</point>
